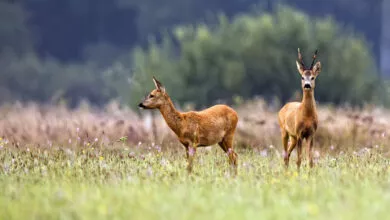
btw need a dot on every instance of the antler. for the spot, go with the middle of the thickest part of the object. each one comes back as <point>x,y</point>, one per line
<point>300,60</point>
<point>314,58</point>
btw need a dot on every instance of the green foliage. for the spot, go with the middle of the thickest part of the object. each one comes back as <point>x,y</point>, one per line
<point>24,76</point>
<point>152,64</point>
<point>255,55</point>
<point>27,77</point>
<point>250,55</point>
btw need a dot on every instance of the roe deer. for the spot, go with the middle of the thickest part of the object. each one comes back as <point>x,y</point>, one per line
<point>298,120</point>
<point>216,124</point>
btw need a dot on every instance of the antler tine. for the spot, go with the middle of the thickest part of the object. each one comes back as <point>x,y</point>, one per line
<point>314,58</point>
<point>300,58</point>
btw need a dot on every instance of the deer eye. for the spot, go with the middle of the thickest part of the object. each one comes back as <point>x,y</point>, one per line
<point>151,96</point>
<point>312,78</point>
<point>303,78</point>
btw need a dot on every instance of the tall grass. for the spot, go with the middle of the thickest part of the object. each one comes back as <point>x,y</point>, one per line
<point>57,163</point>
<point>340,129</point>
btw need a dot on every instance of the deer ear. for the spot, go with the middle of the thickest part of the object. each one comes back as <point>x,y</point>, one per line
<point>317,68</point>
<point>158,85</point>
<point>299,67</point>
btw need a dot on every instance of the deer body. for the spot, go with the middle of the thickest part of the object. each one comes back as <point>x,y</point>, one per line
<point>299,120</point>
<point>194,129</point>
<point>210,125</point>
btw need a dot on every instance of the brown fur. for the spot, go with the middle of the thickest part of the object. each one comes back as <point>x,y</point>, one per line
<point>213,125</point>
<point>299,120</point>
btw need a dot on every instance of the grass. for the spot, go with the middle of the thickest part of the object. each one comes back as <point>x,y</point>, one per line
<point>41,125</point>
<point>86,163</point>
<point>147,183</point>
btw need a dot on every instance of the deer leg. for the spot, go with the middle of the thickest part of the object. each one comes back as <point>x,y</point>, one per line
<point>299,152</point>
<point>190,153</point>
<point>191,150</point>
<point>310,151</point>
<point>227,146</point>
<point>289,150</point>
<point>285,145</point>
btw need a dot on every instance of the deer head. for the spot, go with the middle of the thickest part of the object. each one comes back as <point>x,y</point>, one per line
<point>308,75</point>
<point>156,97</point>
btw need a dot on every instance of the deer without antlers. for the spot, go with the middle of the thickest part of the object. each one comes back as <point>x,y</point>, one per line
<point>298,120</point>
<point>216,124</point>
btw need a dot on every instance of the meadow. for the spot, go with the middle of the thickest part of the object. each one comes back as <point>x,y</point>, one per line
<point>57,163</point>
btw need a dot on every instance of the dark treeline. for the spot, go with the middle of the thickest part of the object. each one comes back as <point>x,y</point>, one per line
<point>53,50</point>
<point>64,29</point>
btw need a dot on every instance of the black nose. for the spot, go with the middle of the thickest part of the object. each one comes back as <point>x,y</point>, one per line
<point>307,86</point>
<point>141,105</point>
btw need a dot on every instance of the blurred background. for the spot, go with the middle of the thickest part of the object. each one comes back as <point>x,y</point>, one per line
<point>93,52</point>
<point>203,51</point>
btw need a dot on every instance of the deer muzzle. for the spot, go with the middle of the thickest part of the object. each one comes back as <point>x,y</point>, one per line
<point>307,86</point>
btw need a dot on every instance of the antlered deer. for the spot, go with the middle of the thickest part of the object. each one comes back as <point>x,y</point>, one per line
<point>298,120</point>
<point>216,124</point>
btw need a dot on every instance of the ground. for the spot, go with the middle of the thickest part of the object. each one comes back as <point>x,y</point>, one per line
<point>129,183</point>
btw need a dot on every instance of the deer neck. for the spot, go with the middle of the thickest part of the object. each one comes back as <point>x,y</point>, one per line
<point>308,103</point>
<point>171,116</point>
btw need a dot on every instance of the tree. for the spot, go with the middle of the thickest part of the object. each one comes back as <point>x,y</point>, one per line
<point>255,55</point>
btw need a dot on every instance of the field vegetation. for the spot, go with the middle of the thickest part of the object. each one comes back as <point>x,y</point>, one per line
<point>340,128</point>
<point>57,163</point>
<point>62,158</point>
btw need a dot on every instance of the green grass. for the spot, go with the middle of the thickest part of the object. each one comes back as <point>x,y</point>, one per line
<point>107,184</point>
